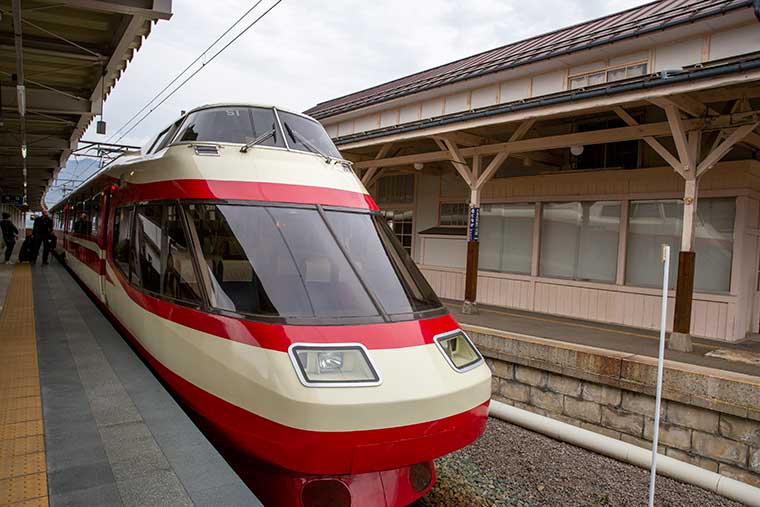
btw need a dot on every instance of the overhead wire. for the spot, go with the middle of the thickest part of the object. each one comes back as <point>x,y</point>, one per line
<point>203,65</point>
<point>201,68</point>
<point>188,67</point>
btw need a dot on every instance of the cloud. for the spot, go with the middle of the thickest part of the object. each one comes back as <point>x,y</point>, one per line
<point>309,51</point>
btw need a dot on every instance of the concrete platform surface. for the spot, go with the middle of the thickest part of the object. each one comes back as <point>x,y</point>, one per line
<point>113,434</point>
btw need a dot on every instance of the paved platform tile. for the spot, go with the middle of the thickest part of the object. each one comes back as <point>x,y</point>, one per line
<point>23,473</point>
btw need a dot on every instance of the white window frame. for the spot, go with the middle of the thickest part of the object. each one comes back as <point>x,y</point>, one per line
<point>605,72</point>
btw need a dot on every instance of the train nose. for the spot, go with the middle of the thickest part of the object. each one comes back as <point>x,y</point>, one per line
<point>326,493</point>
<point>389,488</point>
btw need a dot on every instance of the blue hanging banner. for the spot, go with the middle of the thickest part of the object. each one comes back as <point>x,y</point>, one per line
<point>18,200</point>
<point>472,229</point>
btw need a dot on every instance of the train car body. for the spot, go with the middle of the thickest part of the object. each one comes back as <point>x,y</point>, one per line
<point>248,265</point>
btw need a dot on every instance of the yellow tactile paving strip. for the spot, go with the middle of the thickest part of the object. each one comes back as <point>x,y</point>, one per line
<point>23,477</point>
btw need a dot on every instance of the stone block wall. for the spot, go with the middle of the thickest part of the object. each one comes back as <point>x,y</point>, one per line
<point>586,388</point>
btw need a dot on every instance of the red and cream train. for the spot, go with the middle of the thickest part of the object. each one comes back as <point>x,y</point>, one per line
<point>248,265</point>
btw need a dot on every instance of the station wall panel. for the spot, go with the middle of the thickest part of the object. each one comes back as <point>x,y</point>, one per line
<point>515,90</point>
<point>457,103</point>
<point>735,42</point>
<point>551,82</point>
<point>366,123</point>
<point>483,97</point>
<point>389,118</point>
<point>679,54</point>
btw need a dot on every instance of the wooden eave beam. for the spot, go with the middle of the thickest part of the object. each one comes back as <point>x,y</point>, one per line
<point>723,148</point>
<point>371,171</point>
<point>500,157</point>
<point>612,135</point>
<point>458,161</point>
<point>463,138</point>
<point>533,144</point>
<point>651,141</point>
<point>678,131</point>
<point>685,103</point>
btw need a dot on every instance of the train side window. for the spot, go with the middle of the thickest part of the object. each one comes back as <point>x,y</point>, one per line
<point>180,281</point>
<point>148,241</point>
<point>122,238</point>
<point>94,215</point>
<point>160,139</point>
<point>166,136</point>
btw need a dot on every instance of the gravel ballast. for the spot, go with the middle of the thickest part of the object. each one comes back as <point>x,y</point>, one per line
<point>511,466</point>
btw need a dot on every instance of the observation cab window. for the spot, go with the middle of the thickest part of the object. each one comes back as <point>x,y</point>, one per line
<point>287,262</point>
<point>292,263</point>
<point>264,126</point>
<point>305,134</point>
<point>232,125</point>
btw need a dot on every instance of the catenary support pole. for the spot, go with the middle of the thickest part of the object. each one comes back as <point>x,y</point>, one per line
<point>660,361</point>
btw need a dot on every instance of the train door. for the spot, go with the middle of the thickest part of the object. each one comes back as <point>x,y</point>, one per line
<point>103,227</point>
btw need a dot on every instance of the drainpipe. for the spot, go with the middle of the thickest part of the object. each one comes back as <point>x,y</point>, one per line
<point>628,453</point>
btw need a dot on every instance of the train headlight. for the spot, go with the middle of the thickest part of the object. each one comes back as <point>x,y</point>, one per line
<point>333,365</point>
<point>458,350</point>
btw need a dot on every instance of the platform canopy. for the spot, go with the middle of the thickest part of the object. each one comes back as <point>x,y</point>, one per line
<point>59,59</point>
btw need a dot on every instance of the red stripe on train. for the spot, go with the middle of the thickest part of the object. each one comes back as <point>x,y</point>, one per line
<point>86,255</point>
<point>324,452</point>
<point>318,452</point>
<point>275,336</point>
<point>279,337</point>
<point>242,190</point>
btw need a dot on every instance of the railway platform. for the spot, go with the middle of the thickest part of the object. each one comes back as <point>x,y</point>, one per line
<point>602,378</point>
<point>83,421</point>
<point>742,357</point>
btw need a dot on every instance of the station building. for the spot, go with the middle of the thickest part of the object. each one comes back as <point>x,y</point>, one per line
<point>545,175</point>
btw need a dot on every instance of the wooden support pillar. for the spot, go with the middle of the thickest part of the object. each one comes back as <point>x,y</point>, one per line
<point>473,248</point>
<point>680,338</point>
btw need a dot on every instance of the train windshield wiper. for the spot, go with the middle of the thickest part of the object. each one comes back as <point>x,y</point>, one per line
<point>301,139</point>
<point>263,137</point>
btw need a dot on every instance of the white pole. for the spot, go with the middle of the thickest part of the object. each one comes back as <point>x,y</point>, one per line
<point>660,360</point>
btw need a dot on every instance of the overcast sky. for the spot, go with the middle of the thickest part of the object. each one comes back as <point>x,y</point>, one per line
<point>307,51</point>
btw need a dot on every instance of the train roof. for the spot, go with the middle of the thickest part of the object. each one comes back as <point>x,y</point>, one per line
<point>136,154</point>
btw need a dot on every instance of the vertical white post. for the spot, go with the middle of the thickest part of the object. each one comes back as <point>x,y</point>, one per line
<point>660,360</point>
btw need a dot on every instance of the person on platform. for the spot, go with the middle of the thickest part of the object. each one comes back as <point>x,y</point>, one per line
<point>43,236</point>
<point>10,233</point>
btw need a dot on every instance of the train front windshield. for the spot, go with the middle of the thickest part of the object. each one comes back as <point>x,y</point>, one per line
<point>307,263</point>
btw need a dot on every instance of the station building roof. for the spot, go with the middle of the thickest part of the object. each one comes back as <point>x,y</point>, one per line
<point>635,22</point>
<point>68,55</point>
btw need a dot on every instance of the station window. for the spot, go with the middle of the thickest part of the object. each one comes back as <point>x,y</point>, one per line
<point>653,223</point>
<point>607,75</point>
<point>579,240</point>
<point>453,214</point>
<point>620,155</point>
<point>395,189</point>
<point>401,223</point>
<point>506,237</point>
